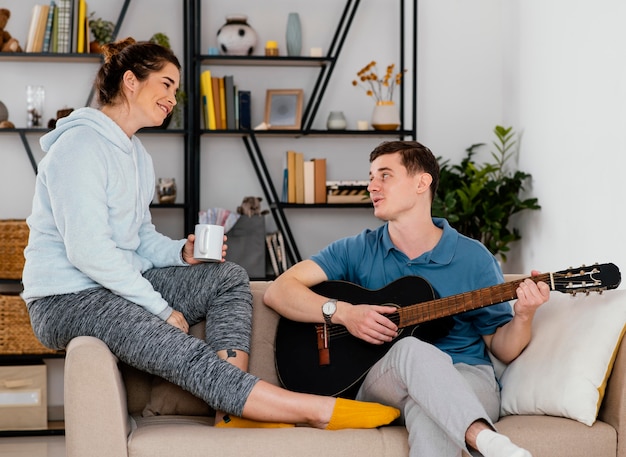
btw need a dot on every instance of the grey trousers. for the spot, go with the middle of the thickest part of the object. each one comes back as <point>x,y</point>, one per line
<point>438,400</point>
<point>217,292</point>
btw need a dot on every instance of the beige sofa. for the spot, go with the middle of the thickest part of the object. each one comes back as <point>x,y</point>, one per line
<point>104,401</point>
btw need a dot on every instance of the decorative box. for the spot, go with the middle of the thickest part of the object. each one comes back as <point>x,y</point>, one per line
<point>23,397</point>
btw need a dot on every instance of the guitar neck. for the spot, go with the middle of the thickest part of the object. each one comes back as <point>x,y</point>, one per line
<point>468,301</point>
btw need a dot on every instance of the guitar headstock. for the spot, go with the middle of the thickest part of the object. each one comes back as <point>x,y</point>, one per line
<point>586,279</point>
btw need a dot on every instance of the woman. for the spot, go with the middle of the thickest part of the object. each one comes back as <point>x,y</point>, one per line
<point>96,266</point>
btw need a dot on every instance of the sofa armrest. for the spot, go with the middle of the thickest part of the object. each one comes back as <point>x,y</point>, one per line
<point>97,423</point>
<point>613,409</point>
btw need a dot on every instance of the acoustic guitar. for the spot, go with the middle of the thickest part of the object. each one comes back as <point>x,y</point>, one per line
<point>328,360</point>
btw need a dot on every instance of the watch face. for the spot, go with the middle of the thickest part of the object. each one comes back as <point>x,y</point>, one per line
<point>329,308</point>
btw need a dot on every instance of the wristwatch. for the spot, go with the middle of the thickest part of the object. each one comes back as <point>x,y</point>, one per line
<point>328,309</point>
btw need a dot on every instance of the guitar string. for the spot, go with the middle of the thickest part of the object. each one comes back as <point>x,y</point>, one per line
<point>433,310</point>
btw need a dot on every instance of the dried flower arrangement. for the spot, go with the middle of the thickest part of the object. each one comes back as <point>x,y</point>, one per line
<point>381,88</point>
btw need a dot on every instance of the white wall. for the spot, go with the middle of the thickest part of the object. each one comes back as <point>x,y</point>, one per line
<point>565,79</point>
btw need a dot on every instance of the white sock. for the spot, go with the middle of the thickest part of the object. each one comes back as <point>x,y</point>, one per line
<point>492,444</point>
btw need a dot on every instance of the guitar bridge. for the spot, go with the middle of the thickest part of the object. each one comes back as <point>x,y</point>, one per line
<point>322,345</point>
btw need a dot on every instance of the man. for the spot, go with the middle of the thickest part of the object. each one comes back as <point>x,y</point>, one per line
<point>447,391</point>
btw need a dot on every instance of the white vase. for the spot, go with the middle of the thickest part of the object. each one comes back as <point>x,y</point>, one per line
<point>336,121</point>
<point>385,116</point>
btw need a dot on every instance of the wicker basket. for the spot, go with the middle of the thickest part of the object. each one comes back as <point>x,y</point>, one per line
<point>13,240</point>
<point>16,333</point>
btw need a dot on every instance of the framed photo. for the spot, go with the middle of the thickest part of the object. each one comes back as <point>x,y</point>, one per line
<point>283,109</point>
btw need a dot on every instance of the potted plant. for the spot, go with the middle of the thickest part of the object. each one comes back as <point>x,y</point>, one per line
<point>102,32</point>
<point>162,39</point>
<point>479,199</point>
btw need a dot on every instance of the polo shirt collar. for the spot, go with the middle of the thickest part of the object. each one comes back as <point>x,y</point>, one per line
<point>443,251</point>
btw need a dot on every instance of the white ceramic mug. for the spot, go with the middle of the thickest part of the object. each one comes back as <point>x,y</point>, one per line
<point>208,244</point>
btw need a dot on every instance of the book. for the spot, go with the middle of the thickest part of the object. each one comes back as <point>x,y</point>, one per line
<point>269,241</point>
<point>299,177</point>
<point>309,182</point>
<point>64,26</point>
<point>320,180</point>
<point>217,107</point>
<point>41,28</point>
<point>222,103</point>
<point>206,91</point>
<point>47,37</point>
<point>291,174</point>
<point>32,28</point>
<point>80,26</point>
<point>277,252</point>
<point>282,252</point>
<point>236,96</point>
<point>245,116</point>
<point>229,95</point>
<point>54,35</point>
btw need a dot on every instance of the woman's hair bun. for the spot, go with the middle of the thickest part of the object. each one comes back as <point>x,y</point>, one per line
<point>110,50</point>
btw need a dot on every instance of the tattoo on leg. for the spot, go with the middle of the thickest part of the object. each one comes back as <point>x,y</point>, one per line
<point>230,353</point>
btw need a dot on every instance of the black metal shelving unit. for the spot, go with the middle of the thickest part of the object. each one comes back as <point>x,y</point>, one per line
<point>325,66</point>
<point>190,190</point>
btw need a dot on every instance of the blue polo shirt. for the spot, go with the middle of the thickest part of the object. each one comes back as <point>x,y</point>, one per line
<point>456,265</point>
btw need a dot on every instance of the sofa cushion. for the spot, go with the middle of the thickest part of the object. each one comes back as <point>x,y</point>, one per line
<point>195,437</point>
<point>564,369</point>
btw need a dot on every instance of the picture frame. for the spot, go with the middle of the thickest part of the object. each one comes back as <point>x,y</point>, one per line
<point>283,109</point>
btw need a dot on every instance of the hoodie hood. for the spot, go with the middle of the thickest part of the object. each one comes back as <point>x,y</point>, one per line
<point>94,119</point>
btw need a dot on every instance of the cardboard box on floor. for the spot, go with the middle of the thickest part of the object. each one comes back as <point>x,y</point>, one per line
<point>23,397</point>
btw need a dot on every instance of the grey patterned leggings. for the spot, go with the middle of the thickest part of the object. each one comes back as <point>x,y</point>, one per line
<point>217,292</point>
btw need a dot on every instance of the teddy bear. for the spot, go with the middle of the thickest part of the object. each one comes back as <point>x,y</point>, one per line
<point>7,42</point>
<point>251,206</point>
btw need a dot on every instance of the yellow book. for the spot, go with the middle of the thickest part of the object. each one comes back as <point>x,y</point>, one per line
<point>291,176</point>
<point>299,177</point>
<point>80,26</point>
<point>206,91</point>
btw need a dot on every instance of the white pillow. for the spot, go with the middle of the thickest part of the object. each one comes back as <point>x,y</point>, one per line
<point>564,369</point>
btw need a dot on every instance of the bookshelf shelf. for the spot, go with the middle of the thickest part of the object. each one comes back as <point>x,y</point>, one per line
<point>48,57</point>
<point>324,66</point>
<point>267,61</point>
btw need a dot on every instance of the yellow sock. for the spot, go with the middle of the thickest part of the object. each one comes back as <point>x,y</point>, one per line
<point>359,414</point>
<point>240,422</point>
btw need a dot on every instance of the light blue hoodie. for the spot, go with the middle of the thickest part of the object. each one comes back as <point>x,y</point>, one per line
<point>90,224</point>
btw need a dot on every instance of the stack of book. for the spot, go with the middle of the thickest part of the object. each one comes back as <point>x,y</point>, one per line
<point>304,180</point>
<point>59,27</point>
<point>276,252</point>
<point>224,107</point>
<point>347,192</point>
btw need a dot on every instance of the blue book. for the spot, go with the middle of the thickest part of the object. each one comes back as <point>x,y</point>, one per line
<point>245,121</point>
<point>47,38</point>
